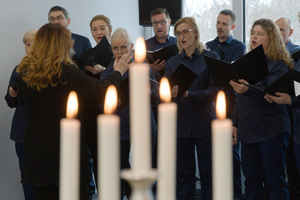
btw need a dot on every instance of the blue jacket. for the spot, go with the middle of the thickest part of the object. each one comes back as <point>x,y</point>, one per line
<point>292,48</point>
<point>195,112</point>
<point>256,119</point>
<point>19,119</point>
<point>123,111</point>
<point>81,44</point>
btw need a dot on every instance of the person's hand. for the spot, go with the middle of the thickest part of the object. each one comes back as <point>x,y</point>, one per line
<point>174,91</point>
<point>240,87</point>
<point>96,69</point>
<point>122,64</point>
<point>234,134</point>
<point>280,98</point>
<point>12,92</point>
<point>186,94</point>
<point>157,65</point>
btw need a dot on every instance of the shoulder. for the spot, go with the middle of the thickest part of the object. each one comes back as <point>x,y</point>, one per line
<point>210,53</point>
<point>238,43</point>
<point>175,59</point>
<point>277,65</point>
<point>81,38</point>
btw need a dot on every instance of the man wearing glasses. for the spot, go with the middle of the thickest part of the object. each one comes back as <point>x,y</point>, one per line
<point>60,15</point>
<point>161,22</point>
<point>229,50</point>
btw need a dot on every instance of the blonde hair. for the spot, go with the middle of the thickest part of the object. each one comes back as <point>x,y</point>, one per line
<point>190,21</point>
<point>103,18</point>
<point>276,49</point>
<point>29,35</point>
<point>50,51</point>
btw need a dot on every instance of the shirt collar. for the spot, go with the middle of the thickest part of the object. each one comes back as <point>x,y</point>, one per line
<point>228,41</point>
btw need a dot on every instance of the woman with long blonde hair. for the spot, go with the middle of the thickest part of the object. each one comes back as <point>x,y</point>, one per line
<point>47,76</point>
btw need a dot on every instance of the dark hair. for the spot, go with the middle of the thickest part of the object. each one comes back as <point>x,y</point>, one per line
<point>230,13</point>
<point>158,11</point>
<point>59,8</point>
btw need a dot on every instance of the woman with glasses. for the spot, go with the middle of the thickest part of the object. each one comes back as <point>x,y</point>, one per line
<point>100,27</point>
<point>47,75</point>
<point>122,50</point>
<point>195,112</point>
<point>263,127</point>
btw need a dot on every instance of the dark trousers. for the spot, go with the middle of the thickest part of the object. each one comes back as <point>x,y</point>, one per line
<point>237,182</point>
<point>125,151</point>
<point>293,169</point>
<point>28,194</point>
<point>186,167</point>
<point>265,162</point>
<point>52,193</point>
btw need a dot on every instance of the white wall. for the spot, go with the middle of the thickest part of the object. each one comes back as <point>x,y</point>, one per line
<point>17,17</point>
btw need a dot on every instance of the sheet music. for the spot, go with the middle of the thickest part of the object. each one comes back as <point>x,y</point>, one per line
<point>297,88</point>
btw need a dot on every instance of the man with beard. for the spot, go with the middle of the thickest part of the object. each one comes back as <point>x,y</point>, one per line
<point>229,50</point>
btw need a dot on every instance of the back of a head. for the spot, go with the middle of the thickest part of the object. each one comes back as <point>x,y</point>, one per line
<point>59,8</point>
<point>158,11</point>
<point>29,35</point>
<point>120,33</point>
<point>230,13</point>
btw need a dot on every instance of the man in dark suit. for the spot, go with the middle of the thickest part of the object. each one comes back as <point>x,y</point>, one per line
<point>60,15</point>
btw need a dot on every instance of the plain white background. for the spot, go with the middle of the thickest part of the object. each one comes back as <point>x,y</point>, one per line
<point>19,16</point>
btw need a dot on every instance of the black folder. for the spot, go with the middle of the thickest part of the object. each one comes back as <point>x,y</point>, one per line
<point>252,67</point>
<point>162,54</point>
<point>100,54</point>
<point>284,84</point>
<point>296,56</point>
<point>183,76</point>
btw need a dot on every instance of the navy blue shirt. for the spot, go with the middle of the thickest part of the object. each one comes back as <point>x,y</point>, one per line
<point>292,48</point>
<point>152,44</point>
<point>232,48</point>
<point>81,44</point>
<point>195,112</point>
<point>123,112</point>
<point>256,119</point>
<point>19,119</point>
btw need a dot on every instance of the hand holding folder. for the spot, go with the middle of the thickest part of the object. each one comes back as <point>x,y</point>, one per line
<point>252,67</point>
<point>183,76</point>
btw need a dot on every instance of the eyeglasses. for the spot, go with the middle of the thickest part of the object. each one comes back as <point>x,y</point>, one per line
<point>59,18</point>
<point>162,22</point>
<point>121,48</point>
<point>184,32</point>
<point>101,29</point>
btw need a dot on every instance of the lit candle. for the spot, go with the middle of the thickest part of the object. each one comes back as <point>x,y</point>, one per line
<point>222,152</point>
<point>69,152</point>
<point>140,110</point>
<point>108,148</point>
<point>167,116</point>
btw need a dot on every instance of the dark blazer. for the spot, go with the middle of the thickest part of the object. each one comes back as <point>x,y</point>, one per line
<point>45,109</point>
<point>195,112</point>
<point>81,44</point>
<point>19,118</point>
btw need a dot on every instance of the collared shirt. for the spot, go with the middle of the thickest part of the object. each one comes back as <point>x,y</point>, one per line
<point>292,48</point>
<point>232,48</point>
<point>152,44</point>
<point>195,112</point>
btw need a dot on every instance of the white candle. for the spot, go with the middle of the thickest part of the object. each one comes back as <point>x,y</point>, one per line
<point>222,153</point>
<point>140,111</point>
<point>109,148</point>
<point>167,117</point>
<point>69,152</point>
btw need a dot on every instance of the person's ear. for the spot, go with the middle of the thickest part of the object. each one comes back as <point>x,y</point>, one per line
<point>233,26</point>
<point>68,20</point>
<point>291,32</point>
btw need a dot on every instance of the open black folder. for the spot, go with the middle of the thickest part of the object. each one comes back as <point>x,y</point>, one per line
<point>252,67</point>
<point>284,84</point>
<point>162,54</point>
<point>100,54</point>
<point>296,56</point>
<point>183,76</point>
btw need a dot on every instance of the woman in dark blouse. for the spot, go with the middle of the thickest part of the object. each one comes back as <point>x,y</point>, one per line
<point>47,76</point>
<point>261,127</point>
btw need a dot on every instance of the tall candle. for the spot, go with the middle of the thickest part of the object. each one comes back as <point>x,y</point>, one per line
<point>222,152</point>
<point>167,116</point>
<point>140,110</point>
<point>69,152</point>
<point>109,148</point>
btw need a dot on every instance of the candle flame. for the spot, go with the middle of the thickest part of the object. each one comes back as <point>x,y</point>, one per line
<point>111,97</point>
<point>140,50</point>
<point>221,105</point>
<point>72,105</point>
<point>164,90</point>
